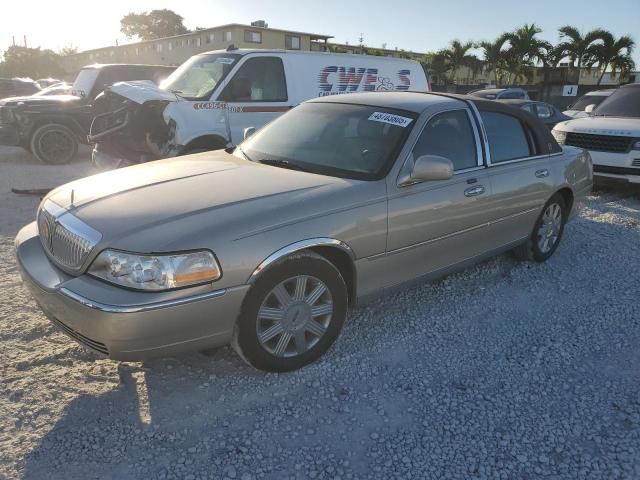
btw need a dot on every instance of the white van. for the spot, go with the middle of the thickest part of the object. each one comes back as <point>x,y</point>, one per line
<point>209,101</point>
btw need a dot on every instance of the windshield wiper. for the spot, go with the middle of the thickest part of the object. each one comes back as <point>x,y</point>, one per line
<point>283,164</point>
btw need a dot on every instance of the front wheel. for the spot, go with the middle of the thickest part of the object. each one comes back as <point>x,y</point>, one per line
<point>547,232</point>
<point>292,314</point>
<point>54,144</point>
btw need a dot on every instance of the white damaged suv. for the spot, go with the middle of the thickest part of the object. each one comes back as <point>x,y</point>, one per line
<point>611,134</point>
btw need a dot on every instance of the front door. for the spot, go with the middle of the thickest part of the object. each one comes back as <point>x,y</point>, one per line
<point>437,224</point>
<point>256,94</point>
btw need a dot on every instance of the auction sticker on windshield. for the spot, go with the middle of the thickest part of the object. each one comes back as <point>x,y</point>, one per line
<point>390,118</point>
<point>225,60</point>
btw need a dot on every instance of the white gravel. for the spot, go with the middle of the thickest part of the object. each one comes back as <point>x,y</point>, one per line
<point>507,370</point>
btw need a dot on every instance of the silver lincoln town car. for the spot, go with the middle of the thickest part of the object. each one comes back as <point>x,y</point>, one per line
<point>266,246</point>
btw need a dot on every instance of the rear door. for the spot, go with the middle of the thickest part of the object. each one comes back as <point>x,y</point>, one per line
<point>520,178</point>
<point>256,94</point>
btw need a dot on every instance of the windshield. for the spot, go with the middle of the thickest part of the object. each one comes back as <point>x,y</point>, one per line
<point>198,77</point>
<point>342,140</point>
<point>585,101</point>
<point>624,102</point>
<point>84,82</point>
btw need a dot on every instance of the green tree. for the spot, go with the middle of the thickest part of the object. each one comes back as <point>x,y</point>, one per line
<point>577,46</point>
<point>153,24</point>
<point>614,54</point>
<point>30,62</point>
<point>525,51</point>
<point>68,50</point>
<point>493,56</point>
<point>456,56</point>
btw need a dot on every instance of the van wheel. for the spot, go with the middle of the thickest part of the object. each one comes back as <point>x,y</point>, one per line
<point>54,144</point>
<point>547,232</point>
<point>292,314</point>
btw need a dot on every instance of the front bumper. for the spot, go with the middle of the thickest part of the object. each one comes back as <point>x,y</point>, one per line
<point>623,167</point>
<point>123,324</point>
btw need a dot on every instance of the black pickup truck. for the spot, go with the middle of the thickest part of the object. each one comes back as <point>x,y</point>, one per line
<point>51,127</point>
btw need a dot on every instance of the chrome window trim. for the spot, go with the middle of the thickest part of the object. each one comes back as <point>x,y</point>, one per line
<point>147,307</point>
<point>487,150</point>
<point>296,247</point>
<point>524,159</point>
<point>402,180</point>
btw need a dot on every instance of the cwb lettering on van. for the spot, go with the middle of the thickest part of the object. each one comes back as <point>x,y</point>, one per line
<point>335,80</point>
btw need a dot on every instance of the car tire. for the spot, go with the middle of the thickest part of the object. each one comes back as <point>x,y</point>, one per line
<point>292,314</point>
<point>54,144</point>
<point>547,232</point>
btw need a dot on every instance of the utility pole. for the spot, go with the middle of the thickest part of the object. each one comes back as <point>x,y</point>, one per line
<point>25,41</point>
<point>361,40</point>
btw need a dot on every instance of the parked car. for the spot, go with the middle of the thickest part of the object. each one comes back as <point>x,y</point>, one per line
<point>51,127</point>
<point>333,203</point>
<point>546,113</point>
<point>590,100</point>
<point>61,88</point>
<point>47,82</point>
<point>501,94</point>
<point>611,135</point>
<point>15,87</point>
<point>209,101</point>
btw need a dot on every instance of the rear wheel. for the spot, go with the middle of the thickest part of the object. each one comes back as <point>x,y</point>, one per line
<point>292,314</point>
<point>547,232</point>
<point>54,144</point>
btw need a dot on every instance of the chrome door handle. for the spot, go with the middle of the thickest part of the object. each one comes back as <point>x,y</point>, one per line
<point>474,191</point>
<point>542,173</point>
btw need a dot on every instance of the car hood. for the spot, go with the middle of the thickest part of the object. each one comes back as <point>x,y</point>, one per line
<point>615,126</point>
<point>181,197</point>
<point>575,113</point>
<point>142,91</point>
<point>43,101</point>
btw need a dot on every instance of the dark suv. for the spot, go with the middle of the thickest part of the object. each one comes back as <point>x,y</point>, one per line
<point>50,127</point>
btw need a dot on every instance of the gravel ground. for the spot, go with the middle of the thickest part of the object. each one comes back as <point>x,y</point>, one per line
<point>506,370</point>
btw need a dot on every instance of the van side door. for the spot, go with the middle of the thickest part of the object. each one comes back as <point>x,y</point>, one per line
<point>520,178</point>
<point>256,94</point>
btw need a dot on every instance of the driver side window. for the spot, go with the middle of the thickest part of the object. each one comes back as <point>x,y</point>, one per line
<point>449,135</point>
<point>259,79</point>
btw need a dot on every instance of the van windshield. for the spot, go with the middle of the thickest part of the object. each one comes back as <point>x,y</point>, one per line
<point>341,140</point>
<point>198,77</point>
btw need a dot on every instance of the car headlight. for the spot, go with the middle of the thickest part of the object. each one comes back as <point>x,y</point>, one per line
<point>636,145</point>
<point>559,135</point>
<point>156,272</point>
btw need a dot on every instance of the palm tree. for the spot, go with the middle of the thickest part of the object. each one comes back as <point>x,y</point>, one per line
<point>525,51</point>
<point>493,55</point>
<point>577,46</point>
<point>456,56</point>
<point>613,53</point>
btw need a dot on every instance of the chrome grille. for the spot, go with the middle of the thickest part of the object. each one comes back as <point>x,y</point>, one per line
<point>636,162</point>
<point>67,240</point>
<point>599,143</point>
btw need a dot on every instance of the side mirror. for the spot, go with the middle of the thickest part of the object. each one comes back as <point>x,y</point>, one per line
<point>431,167</point>
<point>589,108</point>
<point>248,132</point>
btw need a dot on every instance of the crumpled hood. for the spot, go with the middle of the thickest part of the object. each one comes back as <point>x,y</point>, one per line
<point>142,91</point>
<point>212,191</point>
<point>43,101</point>
<point>615,126</point>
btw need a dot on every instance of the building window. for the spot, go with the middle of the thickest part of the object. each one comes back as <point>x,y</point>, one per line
<point>158,47</point>
<point>137,52</point>
<point>209,38</point>
<point>170,45</point>
<point>112,53</point>
<point>91,56</point>
<point>292,42</point>
<point>252,36</point>
<point>198,41</point>
<point>226,36</point>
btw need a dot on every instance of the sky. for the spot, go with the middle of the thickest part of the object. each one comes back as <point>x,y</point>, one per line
<point>419,25</point>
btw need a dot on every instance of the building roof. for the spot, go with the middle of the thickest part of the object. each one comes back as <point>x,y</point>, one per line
<point>314,36</point>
